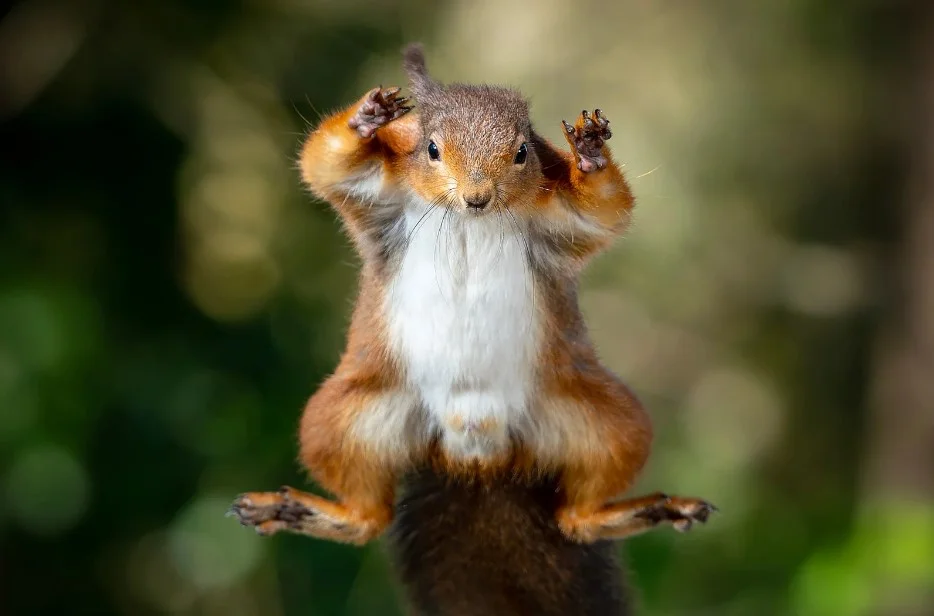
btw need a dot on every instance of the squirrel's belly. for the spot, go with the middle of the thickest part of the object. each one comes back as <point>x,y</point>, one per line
<point>461,318</point>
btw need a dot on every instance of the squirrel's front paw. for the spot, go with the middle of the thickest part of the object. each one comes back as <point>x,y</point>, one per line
<point>586,138</point>
<point>380,106</point>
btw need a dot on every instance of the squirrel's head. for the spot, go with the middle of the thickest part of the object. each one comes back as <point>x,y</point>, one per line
<point>476,147</point>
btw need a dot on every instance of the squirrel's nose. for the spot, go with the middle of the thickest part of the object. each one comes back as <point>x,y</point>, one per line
<point>477,201</point>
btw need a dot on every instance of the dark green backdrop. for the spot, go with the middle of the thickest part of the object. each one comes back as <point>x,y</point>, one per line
<point>169,296</point>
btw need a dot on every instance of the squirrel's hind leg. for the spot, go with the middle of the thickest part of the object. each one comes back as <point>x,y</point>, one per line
<point>630,517</point>
<point>353,438</point>
<point>303,513</point>
<point>613,435</point>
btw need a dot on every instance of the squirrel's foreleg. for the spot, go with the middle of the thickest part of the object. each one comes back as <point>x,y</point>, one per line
<point>586,200</point>
<point>350,159</point>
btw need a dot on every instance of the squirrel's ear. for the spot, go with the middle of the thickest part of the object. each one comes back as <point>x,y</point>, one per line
<point>420,82</point>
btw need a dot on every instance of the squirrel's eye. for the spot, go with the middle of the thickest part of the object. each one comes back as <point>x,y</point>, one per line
<point>521,155</point>
<point>433,152</point>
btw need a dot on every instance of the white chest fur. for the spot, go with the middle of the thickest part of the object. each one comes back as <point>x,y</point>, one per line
<point>461,314</point>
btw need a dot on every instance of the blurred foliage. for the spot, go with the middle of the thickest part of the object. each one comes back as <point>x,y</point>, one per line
<point>169,296</point>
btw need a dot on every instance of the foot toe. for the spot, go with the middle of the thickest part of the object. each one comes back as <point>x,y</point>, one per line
<point>692,510</point>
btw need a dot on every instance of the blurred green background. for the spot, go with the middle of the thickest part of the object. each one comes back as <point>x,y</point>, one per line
<point>170,296</point>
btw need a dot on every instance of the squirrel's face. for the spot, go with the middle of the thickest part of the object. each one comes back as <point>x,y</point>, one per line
<point>476,153</point>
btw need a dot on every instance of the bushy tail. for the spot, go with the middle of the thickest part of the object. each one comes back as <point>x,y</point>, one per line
<point>471,548</point>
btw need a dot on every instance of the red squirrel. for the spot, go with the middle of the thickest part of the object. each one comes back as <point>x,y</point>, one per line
<point>467,350</point>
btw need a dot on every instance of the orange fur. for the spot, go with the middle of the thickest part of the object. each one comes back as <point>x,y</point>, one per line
<point>362,429</point>
<point>587,210</point>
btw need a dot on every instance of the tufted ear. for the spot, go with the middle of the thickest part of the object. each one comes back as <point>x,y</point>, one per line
<point>420,82</point>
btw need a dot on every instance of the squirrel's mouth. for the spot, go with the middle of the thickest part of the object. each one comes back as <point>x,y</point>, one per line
<point>476,207</point>
<point>478,201</point>
<point>472,212</point>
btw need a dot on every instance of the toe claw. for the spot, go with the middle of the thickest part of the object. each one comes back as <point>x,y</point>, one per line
<point>683,526</point>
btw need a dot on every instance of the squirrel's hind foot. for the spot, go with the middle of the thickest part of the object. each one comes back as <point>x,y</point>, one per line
<point>299,512</point>
<point>627,518</point>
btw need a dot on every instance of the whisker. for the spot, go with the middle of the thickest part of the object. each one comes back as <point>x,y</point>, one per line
<point>310,104</point>
<point>528,257</point>
<point>295,107</point>
<point>444,217</point>
<point>431,206</point>
<point>657,167</point>
<point>501,253</point>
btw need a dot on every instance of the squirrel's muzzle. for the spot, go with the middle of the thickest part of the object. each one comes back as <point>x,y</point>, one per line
<point>478,201</point>
<point>477,191</point>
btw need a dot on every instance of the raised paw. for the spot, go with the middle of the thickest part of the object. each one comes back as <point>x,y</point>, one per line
<point>299,512</point>
<point>379,107</point>
<point>586,138</point>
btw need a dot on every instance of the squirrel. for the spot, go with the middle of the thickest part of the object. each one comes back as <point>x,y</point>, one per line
<point>468,372</point>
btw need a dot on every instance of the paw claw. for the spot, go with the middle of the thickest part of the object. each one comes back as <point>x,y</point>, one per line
<point>685,512</point>
<point>704,511</point>
<point>682,513</point>
<point>262,511</point>
<point>233,510</point>
<point>683,526</point>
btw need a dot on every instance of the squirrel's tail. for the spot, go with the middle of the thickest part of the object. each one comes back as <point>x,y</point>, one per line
<point>477,548</point>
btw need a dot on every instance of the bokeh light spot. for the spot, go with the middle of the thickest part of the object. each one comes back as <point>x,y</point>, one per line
<point>733,416</point>
<point>47,490</point>
<point>153,578</point>
<point>211,551</point>
<point>19,407</point>
<point>31,329</point>
<point>822,281</point>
